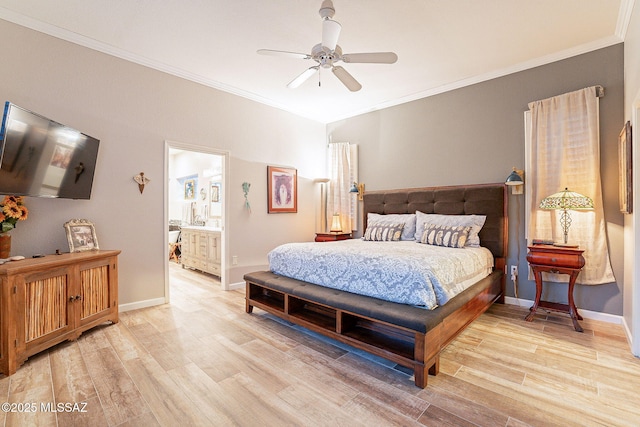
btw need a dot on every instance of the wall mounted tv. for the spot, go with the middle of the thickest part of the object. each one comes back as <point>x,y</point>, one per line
<point>43,158</point>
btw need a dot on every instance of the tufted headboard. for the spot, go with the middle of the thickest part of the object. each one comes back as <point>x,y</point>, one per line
<point>481,199</point>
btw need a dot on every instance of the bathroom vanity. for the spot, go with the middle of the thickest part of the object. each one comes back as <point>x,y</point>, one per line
<point>201,249</point>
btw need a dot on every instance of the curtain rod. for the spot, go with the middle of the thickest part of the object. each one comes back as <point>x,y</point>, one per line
<point>599,91</point>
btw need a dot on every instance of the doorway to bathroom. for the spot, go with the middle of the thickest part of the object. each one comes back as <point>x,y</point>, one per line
<point>195,212</point>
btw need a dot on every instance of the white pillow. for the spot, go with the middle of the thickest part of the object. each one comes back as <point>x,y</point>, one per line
<point>409,221</point>
<point>474,221</point>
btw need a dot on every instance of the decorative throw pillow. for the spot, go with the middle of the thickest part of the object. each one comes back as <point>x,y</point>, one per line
<point>474,221</point>
<point>409,221</point>
<point>445,235</point>
<point>383,232</point>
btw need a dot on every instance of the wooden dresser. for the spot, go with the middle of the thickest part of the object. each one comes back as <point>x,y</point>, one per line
<point>44,301</point>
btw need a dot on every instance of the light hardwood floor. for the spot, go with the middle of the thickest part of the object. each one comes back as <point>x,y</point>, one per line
<point>203,361</point>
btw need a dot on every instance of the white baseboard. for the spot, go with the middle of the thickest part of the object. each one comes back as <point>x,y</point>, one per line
<point>159,301</point>
<point>140,304</point>
<point>629,335</point>
<point>238,285</point>
<point>587,314</point>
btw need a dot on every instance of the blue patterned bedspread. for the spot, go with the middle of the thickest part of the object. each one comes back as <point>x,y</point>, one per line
<point>405,272</point>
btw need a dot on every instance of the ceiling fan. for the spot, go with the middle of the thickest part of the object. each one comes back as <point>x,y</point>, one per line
<point>327,53</point>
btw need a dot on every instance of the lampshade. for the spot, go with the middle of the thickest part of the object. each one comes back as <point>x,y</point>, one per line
<point>336,227</point>
<point>566,200</point>
<point>354,188</point>
<point>514,178</point>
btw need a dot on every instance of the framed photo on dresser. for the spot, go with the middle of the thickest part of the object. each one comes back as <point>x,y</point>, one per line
<point>81,235</point>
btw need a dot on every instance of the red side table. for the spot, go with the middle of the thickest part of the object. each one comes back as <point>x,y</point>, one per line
<point>556,259</point>
<point>332,237</point>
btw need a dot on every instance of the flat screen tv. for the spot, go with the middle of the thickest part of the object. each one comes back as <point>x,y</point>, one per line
<point>43,158</point>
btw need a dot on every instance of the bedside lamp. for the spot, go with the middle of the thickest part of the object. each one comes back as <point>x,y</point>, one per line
<point>336,227</point>
<point>566,200</point>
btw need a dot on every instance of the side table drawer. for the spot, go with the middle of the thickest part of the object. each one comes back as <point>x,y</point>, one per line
<point>556,259</point>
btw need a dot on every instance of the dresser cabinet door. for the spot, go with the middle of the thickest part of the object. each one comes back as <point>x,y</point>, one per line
<point>96,294</point>
<point>48,312</point>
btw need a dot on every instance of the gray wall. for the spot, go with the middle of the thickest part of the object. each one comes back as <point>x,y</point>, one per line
<point>476,135</point>
<point>133,110</point>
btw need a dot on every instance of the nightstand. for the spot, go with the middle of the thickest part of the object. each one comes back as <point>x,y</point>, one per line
<point>556,259</point>
<point>332,237</point>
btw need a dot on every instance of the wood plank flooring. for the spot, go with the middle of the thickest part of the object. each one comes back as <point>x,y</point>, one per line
<point>202,361</point>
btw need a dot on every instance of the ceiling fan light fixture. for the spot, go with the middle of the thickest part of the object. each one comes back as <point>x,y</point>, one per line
<point>330,33</point>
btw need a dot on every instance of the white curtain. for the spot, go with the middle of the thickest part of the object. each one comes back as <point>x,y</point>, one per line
<point>339,200</point>
<point>565,153</point>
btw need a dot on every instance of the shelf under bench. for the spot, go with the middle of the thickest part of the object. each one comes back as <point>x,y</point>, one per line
<point>409,336</point>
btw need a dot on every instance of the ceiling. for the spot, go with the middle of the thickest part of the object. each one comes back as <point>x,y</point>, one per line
<point>441,44</point>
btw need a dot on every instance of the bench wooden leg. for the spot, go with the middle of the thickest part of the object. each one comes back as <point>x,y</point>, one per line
<point>434,369</point>
<point>421,373</point>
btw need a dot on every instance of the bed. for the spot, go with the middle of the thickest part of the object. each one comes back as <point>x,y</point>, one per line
<point>410,335</point>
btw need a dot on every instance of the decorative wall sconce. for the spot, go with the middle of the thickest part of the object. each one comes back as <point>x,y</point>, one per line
<point>336,227</point>
<point>141,180</point>
<point>357,188</point>
<point>516,181</point>
<point>245,190</point>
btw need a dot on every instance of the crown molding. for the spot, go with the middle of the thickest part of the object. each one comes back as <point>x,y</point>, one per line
<point>626,8</point>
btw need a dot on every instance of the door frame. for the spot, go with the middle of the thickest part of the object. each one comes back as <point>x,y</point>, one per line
<point>634,244</point>
<point>223,234</point>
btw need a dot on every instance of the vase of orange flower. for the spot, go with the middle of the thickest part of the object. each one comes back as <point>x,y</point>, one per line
<point>12,210</point>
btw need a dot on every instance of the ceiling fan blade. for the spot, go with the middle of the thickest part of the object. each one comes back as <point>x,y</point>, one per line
<point>371,58</point>
<point>346,79</point>
<point>303,77</point>
<point>284,53</point>
<point>330,33</point>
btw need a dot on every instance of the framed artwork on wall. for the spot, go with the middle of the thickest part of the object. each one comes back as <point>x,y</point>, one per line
<point>190,189</point>
<point>282,189</point>
<point>625,169</point>
<point>81,235</point>
<point>215,192</point>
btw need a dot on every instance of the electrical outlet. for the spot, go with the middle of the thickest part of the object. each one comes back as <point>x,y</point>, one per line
<point>234,260</point>
<point>514,273</point>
